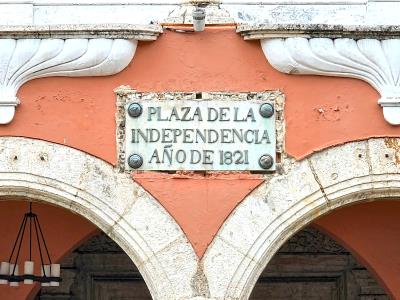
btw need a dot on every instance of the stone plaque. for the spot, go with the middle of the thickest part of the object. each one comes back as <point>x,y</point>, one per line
<point>206,135</point>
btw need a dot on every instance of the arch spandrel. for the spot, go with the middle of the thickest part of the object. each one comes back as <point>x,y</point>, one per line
<point>280,207</point>
<point>86,185</point>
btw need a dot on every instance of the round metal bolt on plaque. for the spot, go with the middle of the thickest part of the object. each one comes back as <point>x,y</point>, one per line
<point>266,110</point>
<point>135,110</point>
<point>266,161</point>
<point>135,161</point>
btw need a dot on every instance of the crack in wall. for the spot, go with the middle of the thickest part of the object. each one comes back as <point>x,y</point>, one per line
<point>318,180</point>
<point>368,157</point>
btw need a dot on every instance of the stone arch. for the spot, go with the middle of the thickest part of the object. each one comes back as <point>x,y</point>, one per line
<point>88,186</point>
<point>307,189</point>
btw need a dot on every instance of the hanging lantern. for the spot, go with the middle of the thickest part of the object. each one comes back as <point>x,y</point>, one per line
<point>9,271</point>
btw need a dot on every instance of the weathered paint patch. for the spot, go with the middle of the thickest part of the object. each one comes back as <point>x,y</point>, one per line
<point>394,144</point>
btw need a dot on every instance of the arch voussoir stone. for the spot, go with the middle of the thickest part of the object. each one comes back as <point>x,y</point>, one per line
<point>257,220</point>
<point>285,203</point>
<point>59,175</point>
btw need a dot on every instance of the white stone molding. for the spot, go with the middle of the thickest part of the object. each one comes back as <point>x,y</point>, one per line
<point>28,12</point>
<point>59,175</point>
<point>271,214</point>
<point>22,60</point>
<point>85,31</point>
<point>374,61</point>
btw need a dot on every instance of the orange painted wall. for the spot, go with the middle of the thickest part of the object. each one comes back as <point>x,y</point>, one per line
<point>371,232</point>
<point>63,231</point>
<point>79,112</point>
<point>199,204</point>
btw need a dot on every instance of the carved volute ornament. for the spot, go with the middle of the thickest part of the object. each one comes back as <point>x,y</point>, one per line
<point>369,54</point>
<point>81,51</point>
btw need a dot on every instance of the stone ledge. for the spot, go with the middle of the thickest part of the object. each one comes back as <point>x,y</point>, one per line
<point>263,31</point>
<point>111,31</point>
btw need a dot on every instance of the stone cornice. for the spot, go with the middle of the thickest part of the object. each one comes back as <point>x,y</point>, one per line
<point>263,31</point>
<point>111,31</point>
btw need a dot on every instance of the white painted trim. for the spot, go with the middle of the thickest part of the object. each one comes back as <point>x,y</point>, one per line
<point>82,31</point>
<point>337,12</point>
<point>178,2</point>
<point>374,61</point>
<point>271,214</point>
<point>40,12</point>
<point>91,2</point>
<point>294,2</point>
<point>26,59</point>
<point>312,30</point>
<point>59,175</point>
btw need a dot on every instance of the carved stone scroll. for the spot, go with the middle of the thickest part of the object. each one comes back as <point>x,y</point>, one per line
<point>374,61</point>
<point>22,60</point>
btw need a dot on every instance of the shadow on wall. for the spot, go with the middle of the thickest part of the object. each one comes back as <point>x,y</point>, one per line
<point>370,230</point>
<point>311,265</point>
<point>98,269</point>
<point>63,232</point>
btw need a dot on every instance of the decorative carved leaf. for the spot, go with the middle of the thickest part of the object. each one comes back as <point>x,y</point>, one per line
<point>374,61</point>
<point>310,240</point>
<point>26,59</point>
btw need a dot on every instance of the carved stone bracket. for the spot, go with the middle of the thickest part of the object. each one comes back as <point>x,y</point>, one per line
<point>36,52</point>
<point>374,58</point>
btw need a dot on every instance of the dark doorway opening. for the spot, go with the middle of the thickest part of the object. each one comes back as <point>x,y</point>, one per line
<point>98,270</point>
<point>311,266</point>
